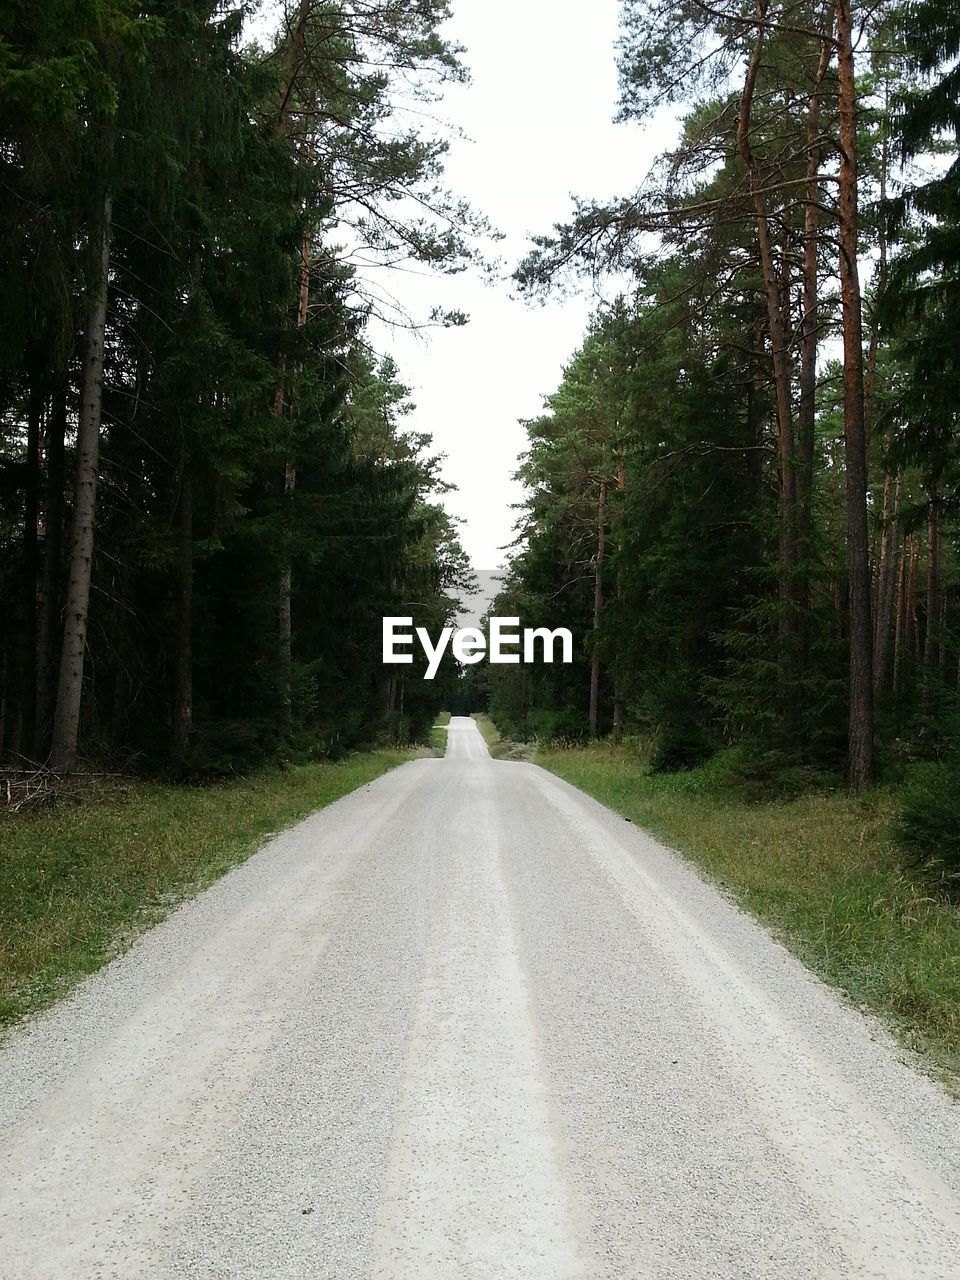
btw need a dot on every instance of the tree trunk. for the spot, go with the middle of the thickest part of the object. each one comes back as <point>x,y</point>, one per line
<point>860,741</point>
<point>124,648</point>
<point>31,564</point>
<point>809,332</point>
<point>886,585</point>
<point>617,719</point>
<point>66,723</point>
<point>755,413</point>
<point>890,537</point>
<point>781,371</point>
<point>932,629</point>
<point>884,542</point>
<point>899,634</point>
<point>913,624</point>
<point>4,699</point>
<point>874,345</point>
<point>942,633</point>
<point>285,625</point>
<point>284,609</point>
<point>183,690</point>
<point>597,608</point>
<point>837,549</point>
<point>52,538</point>
<point>295,56</point>
<point>617,677</point>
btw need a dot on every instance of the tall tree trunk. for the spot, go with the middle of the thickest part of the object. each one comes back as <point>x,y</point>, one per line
<point>873,349</point>
<point>31,565</point>
<point>777,323</point>
<point>597,609</point>
<point>860,740</point>
<point>899,632</point>
<point>617,677</point>
<point>284,611</point>
<point>942,633</point>
<point>837,549</point>
<point>121,696</point>
<point>932,629</point>
<point>285,623</point>
<point>756,412</point>
<point>617,730</point>
<point>296,51</point>
<point>913,624</point>
<point>52,539</point>
<point>183,689</point>
<point>877,561</point>
<point>66,722</point>
<point>890,534</point>
<point>886,585</point>
<point>809,331</point>
<point>4,698</point>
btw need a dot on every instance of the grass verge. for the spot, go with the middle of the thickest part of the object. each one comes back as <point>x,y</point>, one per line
<point>438,733</point>
<point>79,882</point>
<point>821,871</point>
<point>497,746</point>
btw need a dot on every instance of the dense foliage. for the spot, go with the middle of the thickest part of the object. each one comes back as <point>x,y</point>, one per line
<point>209,494</point>
<point>929,823</point>
<point>743,497</point>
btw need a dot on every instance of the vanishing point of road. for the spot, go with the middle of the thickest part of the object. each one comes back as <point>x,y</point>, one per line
<point>466,1022</point>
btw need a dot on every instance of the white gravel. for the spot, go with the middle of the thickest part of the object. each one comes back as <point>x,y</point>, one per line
<point>466,1022</point>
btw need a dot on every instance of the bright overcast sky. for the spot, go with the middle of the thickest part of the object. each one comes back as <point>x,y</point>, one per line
<point>538,119</point>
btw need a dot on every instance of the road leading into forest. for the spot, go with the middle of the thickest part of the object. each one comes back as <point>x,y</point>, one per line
<point>468,1023</point>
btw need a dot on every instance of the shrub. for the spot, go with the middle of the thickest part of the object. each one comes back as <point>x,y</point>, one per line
<point>680,745</point>
<point>682,741</point>
<point>755,773</point>
<point>928,828</point>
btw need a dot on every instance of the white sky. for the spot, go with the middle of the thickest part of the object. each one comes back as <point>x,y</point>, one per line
<point>538,115</point>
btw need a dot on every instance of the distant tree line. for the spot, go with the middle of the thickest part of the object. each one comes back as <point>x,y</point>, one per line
<point>745,493</point>
<point>209,493</point>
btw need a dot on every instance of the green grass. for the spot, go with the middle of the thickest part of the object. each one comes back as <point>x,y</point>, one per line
<point>496,745</point>
<point>822,871</point>
<point>79,882</point>
<point>438,734</point>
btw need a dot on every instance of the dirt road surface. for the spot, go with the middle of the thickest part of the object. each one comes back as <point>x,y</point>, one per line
<point>468,1023</point>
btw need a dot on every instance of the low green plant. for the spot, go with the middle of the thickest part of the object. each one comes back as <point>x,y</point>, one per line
<point>496,744</point>
<point>438,733</point>
<point>928,826</point>
<point>756,772</point>
<point>679,746</point>
<point>682,742</point>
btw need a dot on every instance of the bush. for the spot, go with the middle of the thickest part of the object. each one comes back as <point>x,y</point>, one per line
<point>682,741</point>
<point>928,828</point>
<point>758,773</point>
<point>680,745</point>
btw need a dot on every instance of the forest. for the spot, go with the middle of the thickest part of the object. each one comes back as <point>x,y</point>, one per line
<point>210,492</point>
<point>744,493</point>
<point>742,498</point>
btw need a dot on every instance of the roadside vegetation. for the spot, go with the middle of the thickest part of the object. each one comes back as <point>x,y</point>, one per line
<point>496,745</point>
<point>826,872</point>
<point>80,881</point>
<point>438,733</point>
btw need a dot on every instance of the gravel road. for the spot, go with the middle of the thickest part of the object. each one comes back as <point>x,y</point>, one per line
<point>466,1022</point>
